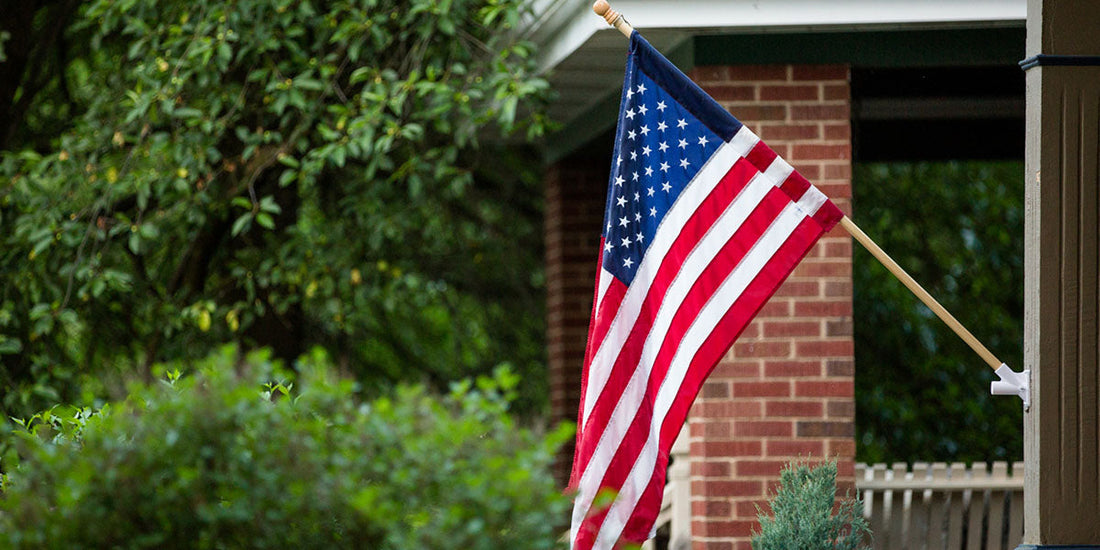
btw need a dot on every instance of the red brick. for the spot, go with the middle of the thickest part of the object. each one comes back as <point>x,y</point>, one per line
<point>754,112</point>
<point>710,544</point>
<point>839,367</point>
<point>730,528</point>
<point>793,408</point>
<point>744,544</point>
<point>710,73</point>
<point>819,72</point>
<point>713,430</point>
<point>762,428</point>
<point>775,329</point>
<point>796,447</point>
<point>710,468</point>
<point>824,388</point>
<point>838,131</point>
<point>762,349</point>
<point>758,72</point>
<point>838,171</point>
<point>790,93</point>
<point>783,149</point>
<point>823,309</point>
<point>839,348</point>
<point>759,468</point>
<point>799,288</point>
<point>842,448</point>
<point>736,369</point>
<point>776,132</point>
<point>726,488</point>
<point>761,389</point>
<point>833,92</point>
<point>838,328</point>
<point>837,191</point>
<point>775,308</point>
<point>820,112</point>
<point>792,368</point>
<point>809,171</point>
<point>715,389</point>
<point>834,268</point>
<point>816,428</point>
<point>712,508</point>
<point>822,152</point>
<point>841,409</point>
<point>726,92</point>
<point>838,289</point>
<point>726,448</point>
<point>750,508</point>
<point>751,331</point>
<point>732,409</point>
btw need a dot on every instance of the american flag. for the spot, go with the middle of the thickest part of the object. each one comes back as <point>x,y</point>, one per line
<point>703,223</point>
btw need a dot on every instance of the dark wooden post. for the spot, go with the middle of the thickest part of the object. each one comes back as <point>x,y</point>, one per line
<point>1062,428</point>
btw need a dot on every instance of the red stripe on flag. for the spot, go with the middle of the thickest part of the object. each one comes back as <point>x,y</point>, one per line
<point>828,215</point>
<point>761,156</point>
<point>795,185</point>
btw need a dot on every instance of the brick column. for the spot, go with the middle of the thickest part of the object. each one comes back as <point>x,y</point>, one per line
<point>575,191</point>
<point>785,390</point>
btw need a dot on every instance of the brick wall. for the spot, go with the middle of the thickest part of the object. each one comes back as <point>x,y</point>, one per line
<point>785,390</point>
<point>576,188</point>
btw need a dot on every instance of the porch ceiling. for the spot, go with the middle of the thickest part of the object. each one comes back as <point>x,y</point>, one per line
<point>583,59</point>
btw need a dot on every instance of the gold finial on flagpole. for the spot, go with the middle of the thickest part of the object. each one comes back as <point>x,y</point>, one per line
<point>613,18</point>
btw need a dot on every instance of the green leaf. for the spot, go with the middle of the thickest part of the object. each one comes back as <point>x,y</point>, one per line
<point>265,220</point>
<point>242,224</point>
<point>9,345</point>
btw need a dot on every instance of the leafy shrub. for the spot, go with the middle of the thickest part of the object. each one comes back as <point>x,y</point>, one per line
<point>803,515</point>
<point>221,460</point>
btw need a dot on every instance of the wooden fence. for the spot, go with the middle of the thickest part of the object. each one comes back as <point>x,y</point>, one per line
<point>928,507</point>
<point>934,506</point>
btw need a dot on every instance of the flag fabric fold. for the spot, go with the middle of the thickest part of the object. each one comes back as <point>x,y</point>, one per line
<point>702,224</point>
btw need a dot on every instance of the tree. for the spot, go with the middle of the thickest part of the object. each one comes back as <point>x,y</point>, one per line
<point>275,173</point>
<point>921,393</point>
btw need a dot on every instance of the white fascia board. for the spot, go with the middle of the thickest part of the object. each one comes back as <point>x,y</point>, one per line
<point>570,26</point>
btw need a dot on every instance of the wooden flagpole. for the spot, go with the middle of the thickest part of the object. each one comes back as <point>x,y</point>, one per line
<point>616,19</point>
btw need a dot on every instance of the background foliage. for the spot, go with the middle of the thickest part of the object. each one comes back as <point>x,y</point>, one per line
<point>281,173</point>
<point>957,228</point>
<point>210,461</point>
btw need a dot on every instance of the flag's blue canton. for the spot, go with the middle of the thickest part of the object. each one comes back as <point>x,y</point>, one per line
<point>660,147</point>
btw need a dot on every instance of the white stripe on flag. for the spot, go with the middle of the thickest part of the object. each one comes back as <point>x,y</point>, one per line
<point>700,257</point>
<point>743,141</point>
<point>604,282</point>
<point>703,325</point>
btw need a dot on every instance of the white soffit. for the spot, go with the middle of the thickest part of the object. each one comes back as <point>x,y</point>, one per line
<point>583,58</point>
<point>561,27</point>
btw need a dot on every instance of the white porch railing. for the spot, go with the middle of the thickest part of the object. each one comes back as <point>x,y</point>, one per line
<point>937,506</point>
<point>929,507</point>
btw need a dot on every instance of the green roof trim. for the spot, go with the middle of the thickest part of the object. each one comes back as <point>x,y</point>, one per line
<point>893,48</point>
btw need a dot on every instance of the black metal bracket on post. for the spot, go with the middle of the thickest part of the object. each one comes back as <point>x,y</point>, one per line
<point>1060,61</point>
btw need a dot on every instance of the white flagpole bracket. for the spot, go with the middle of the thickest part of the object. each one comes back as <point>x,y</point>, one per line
<point>1012,383</point>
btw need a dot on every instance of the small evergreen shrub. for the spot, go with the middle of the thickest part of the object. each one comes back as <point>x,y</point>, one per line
<point>803,515</point>
<point>225,458</point>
